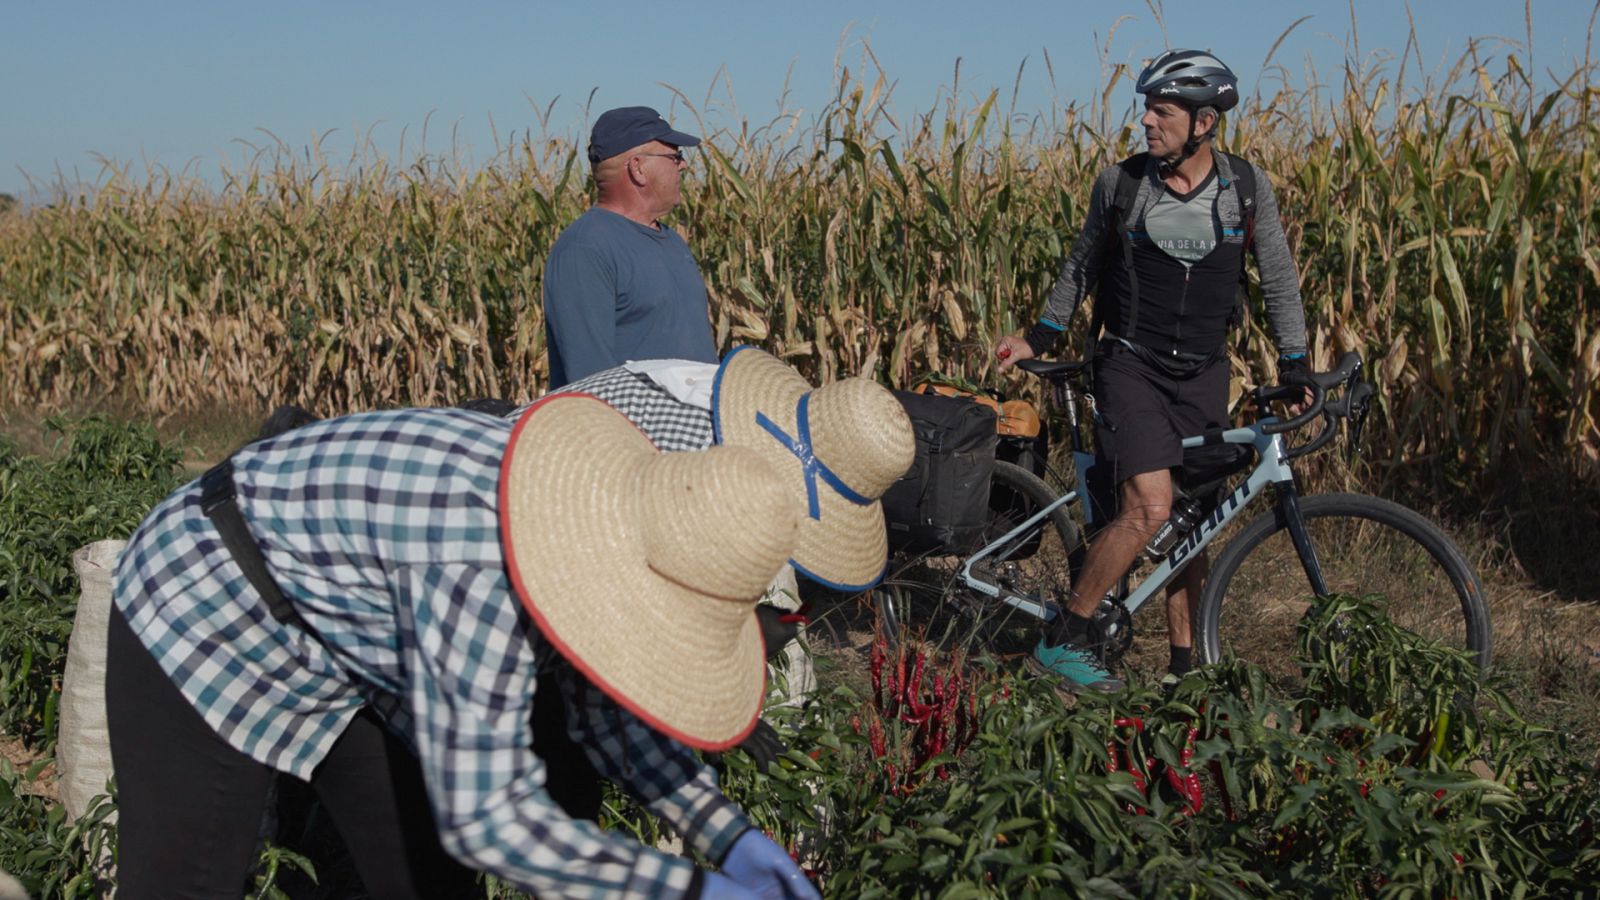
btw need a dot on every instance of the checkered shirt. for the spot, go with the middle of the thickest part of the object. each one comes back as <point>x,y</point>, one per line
<point>670,423</point>
<point>382,529</point>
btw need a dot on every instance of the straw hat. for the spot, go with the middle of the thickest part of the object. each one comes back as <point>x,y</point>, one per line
<point>839,446</point>
<point>643,568</point>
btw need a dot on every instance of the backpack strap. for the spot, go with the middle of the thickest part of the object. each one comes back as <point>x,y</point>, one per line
<point>1119,251</point>
<point>1244,187</point>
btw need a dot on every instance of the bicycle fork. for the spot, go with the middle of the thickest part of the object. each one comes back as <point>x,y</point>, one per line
<point>1289,515</point>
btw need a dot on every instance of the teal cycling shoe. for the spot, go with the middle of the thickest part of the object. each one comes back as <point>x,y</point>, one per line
<point>1077,667</point>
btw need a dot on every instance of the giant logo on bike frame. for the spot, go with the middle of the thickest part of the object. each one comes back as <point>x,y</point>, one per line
<point>1198,536</point>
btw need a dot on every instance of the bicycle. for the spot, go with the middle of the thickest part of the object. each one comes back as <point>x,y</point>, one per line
<point>1267,575</point>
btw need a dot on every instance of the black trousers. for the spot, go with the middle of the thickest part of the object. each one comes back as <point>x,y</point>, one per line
<point>190,806</point>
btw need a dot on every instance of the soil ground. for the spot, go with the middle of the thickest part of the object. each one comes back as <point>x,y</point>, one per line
<point>20,757</point>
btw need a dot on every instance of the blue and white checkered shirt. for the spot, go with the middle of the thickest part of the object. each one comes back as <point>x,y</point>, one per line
<point>670,423</point>
<point>382,529</point>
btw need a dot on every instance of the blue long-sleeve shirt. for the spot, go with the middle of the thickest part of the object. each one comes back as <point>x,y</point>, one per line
<point>615,290</point>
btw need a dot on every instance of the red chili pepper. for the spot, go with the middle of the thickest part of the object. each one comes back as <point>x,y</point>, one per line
<point>875,738</point>
<point>891,706</point>
<point>1138,779</point>
<point>916,710</point>
<point>909,685</point>
<point>1184,781</point>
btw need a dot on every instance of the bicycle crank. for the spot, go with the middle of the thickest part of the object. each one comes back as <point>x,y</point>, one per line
<point>1111,630</point>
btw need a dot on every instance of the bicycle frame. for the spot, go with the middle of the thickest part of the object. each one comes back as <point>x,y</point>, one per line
<point>1271,469</point>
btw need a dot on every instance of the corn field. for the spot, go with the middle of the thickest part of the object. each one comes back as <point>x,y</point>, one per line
<point>1446,231</point>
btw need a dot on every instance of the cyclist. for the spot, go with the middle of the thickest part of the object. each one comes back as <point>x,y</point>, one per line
<point>1163,245</point>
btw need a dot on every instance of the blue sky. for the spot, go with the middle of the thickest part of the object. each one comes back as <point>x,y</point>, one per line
<point>181,83</point>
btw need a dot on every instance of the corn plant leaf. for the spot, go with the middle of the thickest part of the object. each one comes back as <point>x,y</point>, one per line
<point>740,186</point>
<point>1557,377</point>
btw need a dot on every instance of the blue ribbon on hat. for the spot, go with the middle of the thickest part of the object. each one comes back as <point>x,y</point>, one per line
<point>810,466</point>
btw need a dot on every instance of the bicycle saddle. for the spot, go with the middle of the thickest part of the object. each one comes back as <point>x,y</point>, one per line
<point>1052,368</point>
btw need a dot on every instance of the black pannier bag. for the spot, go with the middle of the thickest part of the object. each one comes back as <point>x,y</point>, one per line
<point>941,503</point>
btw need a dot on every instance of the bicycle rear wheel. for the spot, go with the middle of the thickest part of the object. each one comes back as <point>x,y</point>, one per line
<point>926,595</point>
<point>1258,591</point>
<point>1038,563</point>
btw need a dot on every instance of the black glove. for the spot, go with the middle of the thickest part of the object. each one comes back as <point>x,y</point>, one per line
<point>763,745</point>
<point>1293,370</point>
<point>778,628</point>
<point>1292,365</point>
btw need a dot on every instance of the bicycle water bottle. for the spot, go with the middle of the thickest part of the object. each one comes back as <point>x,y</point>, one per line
<point>1185,515</point>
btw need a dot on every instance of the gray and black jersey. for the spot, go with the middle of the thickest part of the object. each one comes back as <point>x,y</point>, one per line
<point>1187,255</point>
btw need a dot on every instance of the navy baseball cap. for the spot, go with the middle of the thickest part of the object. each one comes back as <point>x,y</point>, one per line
<point>620,130</point>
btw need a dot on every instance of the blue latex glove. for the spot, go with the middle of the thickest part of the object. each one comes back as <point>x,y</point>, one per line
<point>762,866</point>
<point>720,887</point>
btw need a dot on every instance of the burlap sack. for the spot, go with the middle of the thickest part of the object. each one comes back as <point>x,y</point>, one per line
<point>83,748</point>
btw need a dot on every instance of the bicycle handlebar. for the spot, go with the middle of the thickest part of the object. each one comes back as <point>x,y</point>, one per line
<point>1318,382</point>
<point>1352,405</point>
<point>1347,373</point>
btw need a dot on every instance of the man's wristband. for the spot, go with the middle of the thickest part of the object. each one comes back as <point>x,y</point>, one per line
<point>1292,362</point>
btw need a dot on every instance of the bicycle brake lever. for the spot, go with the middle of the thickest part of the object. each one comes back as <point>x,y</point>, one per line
<point>1360,399</point>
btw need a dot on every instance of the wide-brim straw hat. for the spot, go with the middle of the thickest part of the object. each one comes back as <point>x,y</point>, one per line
<point>643,568</point>
<point>839,446</point>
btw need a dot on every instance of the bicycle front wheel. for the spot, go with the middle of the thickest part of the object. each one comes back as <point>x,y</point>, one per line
<point>1258,590</point>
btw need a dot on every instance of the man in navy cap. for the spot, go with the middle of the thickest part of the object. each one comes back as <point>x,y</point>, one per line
<point>619,285</point>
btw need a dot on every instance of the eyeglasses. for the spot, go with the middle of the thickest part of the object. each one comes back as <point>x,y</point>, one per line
<point>676,156</point>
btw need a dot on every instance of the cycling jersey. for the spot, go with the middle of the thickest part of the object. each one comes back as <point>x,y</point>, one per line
<point>1184,307</point>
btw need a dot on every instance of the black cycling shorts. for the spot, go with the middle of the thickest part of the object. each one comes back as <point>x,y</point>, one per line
<point>1145,412</point>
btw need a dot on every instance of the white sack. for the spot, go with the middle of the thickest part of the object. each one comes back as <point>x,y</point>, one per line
<point>10,889</point>
<point>83,745</point>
